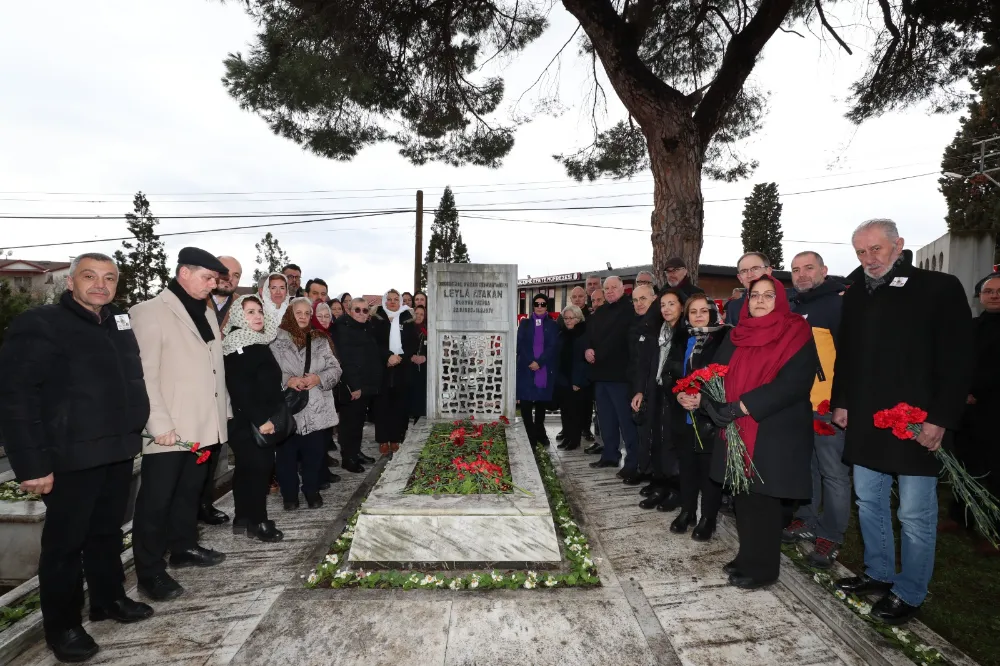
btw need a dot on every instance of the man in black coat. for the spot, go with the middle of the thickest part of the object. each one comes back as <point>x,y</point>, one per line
<point>904,337</point>
<point>72,408</point>
<point>362,362</point>
<point>678,278</point>
<point>608,355</point>
<point>642,344</point>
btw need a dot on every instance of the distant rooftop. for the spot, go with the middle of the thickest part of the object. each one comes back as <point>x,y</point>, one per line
<point>36,266</point>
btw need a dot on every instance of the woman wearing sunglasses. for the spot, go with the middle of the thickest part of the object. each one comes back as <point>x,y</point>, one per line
<point>362,378</point>
<point>537,361</point>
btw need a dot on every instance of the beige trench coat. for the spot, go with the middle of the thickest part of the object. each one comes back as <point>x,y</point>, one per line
<point>185,377</point>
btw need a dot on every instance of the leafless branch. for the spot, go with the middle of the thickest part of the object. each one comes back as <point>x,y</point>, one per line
<point>554,58</point>
<point>829,28</point>
<point>794,32</point>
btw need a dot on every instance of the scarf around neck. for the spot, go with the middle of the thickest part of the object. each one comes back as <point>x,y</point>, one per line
<point>763,346</point>
<point>238,333</point>
<point>871,283</point>
<point>538,347</point>
<point>666,337</point>
<point>196,309</point>
<point>395,326</point>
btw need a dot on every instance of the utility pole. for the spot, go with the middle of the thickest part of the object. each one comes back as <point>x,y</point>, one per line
<point>419,241</point>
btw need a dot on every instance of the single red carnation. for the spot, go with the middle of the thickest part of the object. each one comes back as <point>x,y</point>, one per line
<point>823,428</point>
<point>823,408</point>
<point>203,457</point>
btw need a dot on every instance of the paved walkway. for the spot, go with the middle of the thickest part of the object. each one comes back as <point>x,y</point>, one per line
<point>664,601</point>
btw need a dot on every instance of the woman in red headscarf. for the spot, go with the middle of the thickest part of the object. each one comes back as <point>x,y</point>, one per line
<point>772,364</point>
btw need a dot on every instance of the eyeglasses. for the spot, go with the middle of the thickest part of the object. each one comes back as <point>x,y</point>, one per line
<point>359,310</point>
<point>762,296</point>
<point>753,270</point>
<point>541,304</point>
<point>569,317</point>
<point>643,283</point>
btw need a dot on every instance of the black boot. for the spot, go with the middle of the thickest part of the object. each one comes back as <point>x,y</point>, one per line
<point>72,645</point>
<point>353,466</point>
<point>682,522</point>
<point>651,489</point>
<point>653,500</point>
<point>265,531</point>
<point>314,500</point>
<point>670,501</point>
<point>704,531</point>
<point>161,587</point>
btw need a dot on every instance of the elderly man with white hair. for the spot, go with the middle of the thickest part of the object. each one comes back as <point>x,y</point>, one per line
<point>608,354</point>
<point>905,337</point>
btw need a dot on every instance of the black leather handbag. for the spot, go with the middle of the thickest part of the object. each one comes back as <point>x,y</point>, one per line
<point>284,427</point>
<point>297,400</point>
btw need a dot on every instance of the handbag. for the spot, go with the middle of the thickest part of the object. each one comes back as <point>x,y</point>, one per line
<point>297,400</point>
<point>284,427</point>
<point>639,417</point>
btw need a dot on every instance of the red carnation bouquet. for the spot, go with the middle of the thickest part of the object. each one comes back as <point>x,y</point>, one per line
<point>822,427</point>
<point>906,422</point>
<point>193,447</point>
<point>710,380</point>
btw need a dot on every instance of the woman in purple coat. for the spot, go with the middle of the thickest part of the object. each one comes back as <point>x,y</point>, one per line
<point>537,358</point>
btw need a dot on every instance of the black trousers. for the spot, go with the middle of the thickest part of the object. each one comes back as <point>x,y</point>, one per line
<point>301,454</point>
<point>251,478</point>
<point>588,411</point>
<point>212,465</point>
<point>759,521</point>
<point>694,478</point>
<point>392,412</point>
<point>166,510</point>
<point>352,426</point>
<point>573,414</point>
<point>82,536</point>
<point>533,414</point>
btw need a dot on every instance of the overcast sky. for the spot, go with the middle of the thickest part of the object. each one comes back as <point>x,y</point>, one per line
<point>101,99</point>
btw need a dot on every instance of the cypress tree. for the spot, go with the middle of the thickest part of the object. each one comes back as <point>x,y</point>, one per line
<point>270,254</point>
<point>446,244</point>
<point>142,264</point>
<point>762,223</point>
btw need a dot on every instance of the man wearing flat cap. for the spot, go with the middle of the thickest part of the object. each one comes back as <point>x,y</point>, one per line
<point>181,350</point>
<point>678,278</point>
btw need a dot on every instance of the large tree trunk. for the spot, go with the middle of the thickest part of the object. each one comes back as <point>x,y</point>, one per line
<point>678,217</point>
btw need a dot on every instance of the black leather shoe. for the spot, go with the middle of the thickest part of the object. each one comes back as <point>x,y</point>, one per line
<point>730,568</point>
<point>571,447</point>
<point>670,501</point>
<point>325,485</point>
<point>365,459</point>
<point>893,610</point>
<point>594,448</point>
<point>654,499</point>
<point>124,610</point>
<point>604,463</point>
<point>704,531</point>
<point>862,585</point>
<point>209,515</point>
<point>196,557</point>
<point>314,500</point>
<point>265,531</point>
<point>291,504</point>
<point>72,645</point>
<point>561,445</point>
<point>161,587</point>
<point>635,478</point>
<point>651,489</point>
<point>589,436</point>
<point>560,436</point>
<point>682,522</point>
<point>747,583</point>
<point>352,466</point>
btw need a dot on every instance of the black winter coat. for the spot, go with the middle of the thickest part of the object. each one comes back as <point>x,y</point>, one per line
<point>72,395</point>
<point>573,368</point>
<point>820,306</point>
<point>253,379</point>
<point>360,357</point>
<point>907,343</point>
<point>677,369</point>
<point>977,439</point>
<point>687,287</point>
<point>642,347</point>
<point>784,447</point>
<point>607,335</point>
<point>395,377</point>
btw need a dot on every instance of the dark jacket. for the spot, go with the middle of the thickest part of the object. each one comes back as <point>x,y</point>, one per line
<point>573,367</point>
<point>380,324</point>
<point>642,346</point>
<point>72,395</point>
<point>822,307</point>
<point>688,288</point>
<point>907,343</point>
<point>361,359</point>
<point>607,335</point>
<point>549,359</point>
<point>253,379</point>
<point>976,439</point>
<point>784,448</point>
<point>677,368</point>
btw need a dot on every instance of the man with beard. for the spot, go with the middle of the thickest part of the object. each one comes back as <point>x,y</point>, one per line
<point>642,340</point>
<point>223,294</point>
<point>72,408</point>
<point>886,356</point>
<point>181,349</point>
<point>316,291</point>
<point>678,278</point>
<point>818,299</point>
<point>293,274</point>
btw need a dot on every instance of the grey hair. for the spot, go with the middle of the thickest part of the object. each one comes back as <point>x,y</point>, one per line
<point>95,256</point>
<point>358,299</point>
<point>819,257</point>
<point>641,273</point>
<point>593,275</point>
<point>321,304</point>
<point>610,277</point>
<point>883,223</point>
<point>575,311</point>
<point>299,299</point>
<point>759,255</point>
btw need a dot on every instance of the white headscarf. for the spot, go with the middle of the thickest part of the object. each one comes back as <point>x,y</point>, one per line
<point>395,338</point>
<point>238,333</point>
<point>272,311</point>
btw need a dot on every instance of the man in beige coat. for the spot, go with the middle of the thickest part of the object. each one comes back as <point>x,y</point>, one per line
<point>181,350</point>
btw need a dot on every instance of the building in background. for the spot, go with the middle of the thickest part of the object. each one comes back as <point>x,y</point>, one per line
<point>966,255</point>
<point>42,279</point>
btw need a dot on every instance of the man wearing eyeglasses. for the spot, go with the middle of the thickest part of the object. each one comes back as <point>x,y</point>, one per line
<point>750,267</point>
<point>678,278</point>
<point>362,364</point>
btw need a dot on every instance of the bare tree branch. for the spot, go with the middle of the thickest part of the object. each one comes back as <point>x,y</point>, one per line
<point>793,32</point>
<point>554,58</point>
<point>826,24</point>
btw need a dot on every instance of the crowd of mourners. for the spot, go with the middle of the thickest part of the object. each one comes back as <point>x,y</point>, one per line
<point>800,359</point>
<point>284,376</point>
<point>287,375</point>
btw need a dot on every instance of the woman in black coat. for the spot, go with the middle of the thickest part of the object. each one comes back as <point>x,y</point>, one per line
<point>417,374</point>
<point>362,363</point>
<point>704,336</point>
<point>396,334</point>
<point>772,363</point>
<point>253,380</point>
<point>573,388</point>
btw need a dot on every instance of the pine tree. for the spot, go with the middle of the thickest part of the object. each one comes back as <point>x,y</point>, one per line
<point>446,244</point>
<point>142,264</point>
<point>270,254</point>
<point>974,201</point>
<point>762,223</point>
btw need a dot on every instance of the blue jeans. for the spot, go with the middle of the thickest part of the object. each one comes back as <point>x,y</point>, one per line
<point>918,510</point>
<point>831,487</point>
<point>614,411</point>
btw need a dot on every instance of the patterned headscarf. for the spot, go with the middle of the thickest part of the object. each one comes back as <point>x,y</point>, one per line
<point>238,333</point>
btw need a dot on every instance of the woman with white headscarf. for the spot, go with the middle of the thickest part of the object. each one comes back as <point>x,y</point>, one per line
<point>273,292</point>
<point>253,379</point>
<point>396,334</point>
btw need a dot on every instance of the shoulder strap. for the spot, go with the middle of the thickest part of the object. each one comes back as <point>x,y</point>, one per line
<point>309,346</point>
